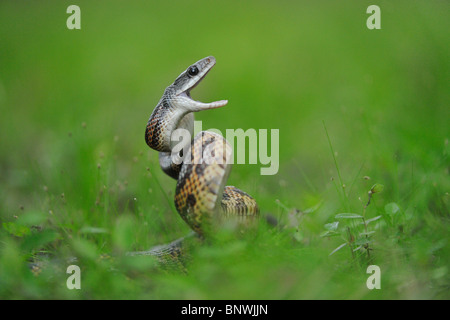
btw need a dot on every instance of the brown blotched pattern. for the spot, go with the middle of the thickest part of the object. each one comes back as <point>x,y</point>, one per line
<point>200,189</point>
<point>154,136</point>
<point>236,202</point>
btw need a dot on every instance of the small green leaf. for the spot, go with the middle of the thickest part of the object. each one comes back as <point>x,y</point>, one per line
<point>312,209</point>
<point>329,233</point>
<point>366,233</point>
<point>362,241</point>
<point>376,188</point>
<point>298,236</point>
<point>338,248</point>
<point>391,208</point>
<point>373,219</point>
<point>16,229</point>
<point>88,229</point>
<point>332,226</point>
<point>439,272</point>
<point>348,216</point>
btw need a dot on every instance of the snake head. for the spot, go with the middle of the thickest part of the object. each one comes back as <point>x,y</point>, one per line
<point>188,80</point>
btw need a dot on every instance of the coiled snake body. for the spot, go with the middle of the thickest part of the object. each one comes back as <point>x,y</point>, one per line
<point>201,166</point>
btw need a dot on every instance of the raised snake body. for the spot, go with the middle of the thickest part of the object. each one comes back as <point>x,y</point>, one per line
<point>201,166</point>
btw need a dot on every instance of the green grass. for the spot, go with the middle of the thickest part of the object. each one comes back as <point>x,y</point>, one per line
<point>355,108</point>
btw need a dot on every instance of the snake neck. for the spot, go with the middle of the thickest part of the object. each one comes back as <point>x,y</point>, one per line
<point>166,118</point>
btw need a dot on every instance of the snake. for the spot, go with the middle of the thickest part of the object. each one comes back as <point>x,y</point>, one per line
<point>200,166</point>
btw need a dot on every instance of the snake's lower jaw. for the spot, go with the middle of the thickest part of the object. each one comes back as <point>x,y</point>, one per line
<point>191,105</point>
<point>212,105</point>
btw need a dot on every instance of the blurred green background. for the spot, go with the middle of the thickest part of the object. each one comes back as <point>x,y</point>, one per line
<point>77,179</point>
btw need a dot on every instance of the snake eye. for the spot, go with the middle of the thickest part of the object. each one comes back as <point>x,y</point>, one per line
<point>192,71</point>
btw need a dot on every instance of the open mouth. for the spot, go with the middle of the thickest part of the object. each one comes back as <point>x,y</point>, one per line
<point>199,80</point>
<point>205,66</point>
